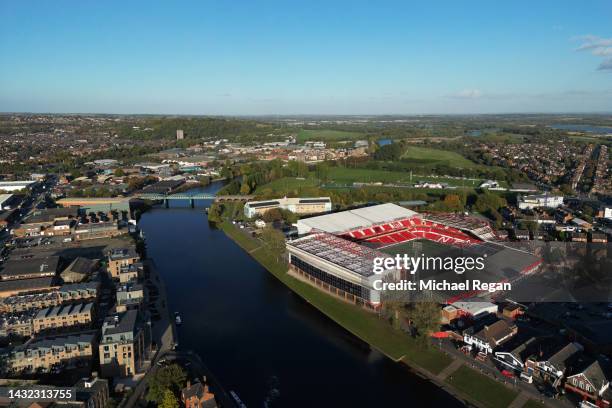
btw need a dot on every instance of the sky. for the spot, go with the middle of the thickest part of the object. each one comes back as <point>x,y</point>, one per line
<point>305,57</point>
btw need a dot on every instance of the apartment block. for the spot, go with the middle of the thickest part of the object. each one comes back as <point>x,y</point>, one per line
<point>119,257</point>
<point>122,346</point>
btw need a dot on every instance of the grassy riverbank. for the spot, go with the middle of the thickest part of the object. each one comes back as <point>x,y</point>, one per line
<point>361,323</point>
<point>398,346</point>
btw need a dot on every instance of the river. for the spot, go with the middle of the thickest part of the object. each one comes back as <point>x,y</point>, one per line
<point>260,339</point>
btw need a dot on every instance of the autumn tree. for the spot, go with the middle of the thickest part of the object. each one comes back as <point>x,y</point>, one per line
<point>170,378</point>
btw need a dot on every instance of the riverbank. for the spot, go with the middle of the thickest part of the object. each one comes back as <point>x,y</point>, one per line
<point>480,391</point>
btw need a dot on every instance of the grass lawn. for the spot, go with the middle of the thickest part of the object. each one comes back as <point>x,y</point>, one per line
<point>436,156</point>
<point>327,135</point>
<point>534,404</point>
<point>344,175</point>
<point>481,388</point>
<point>365,325</point>
<point>287,183</point>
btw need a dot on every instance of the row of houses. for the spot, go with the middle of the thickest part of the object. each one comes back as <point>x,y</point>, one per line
<point>30,323</point>
<point>551,358</point>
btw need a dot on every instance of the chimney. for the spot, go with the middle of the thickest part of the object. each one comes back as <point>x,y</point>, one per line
<point>188,384</point>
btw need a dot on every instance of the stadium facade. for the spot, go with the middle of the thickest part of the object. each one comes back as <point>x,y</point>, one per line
<point>335,252</point>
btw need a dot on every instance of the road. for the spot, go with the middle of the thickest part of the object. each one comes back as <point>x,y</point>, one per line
<point>489,369</point>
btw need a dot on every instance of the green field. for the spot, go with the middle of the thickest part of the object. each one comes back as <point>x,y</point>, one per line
<point>288,183</point>
<point>344,175</point>
<point>481,388</point>
<point>436,156</point>
<point>327,135</point>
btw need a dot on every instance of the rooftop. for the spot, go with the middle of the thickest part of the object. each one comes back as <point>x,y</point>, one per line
<point>124,323</point>
<point>122,253</point>
<point>353,219</point>
<point>346,254</point>
<point>34,267</point>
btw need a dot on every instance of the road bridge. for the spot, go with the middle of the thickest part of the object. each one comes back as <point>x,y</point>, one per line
<point>166,198</point>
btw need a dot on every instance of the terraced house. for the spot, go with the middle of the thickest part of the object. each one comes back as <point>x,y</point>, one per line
<point>57,317</point>
<point>48,352</point>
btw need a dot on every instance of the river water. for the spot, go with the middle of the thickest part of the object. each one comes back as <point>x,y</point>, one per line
<point>260,339</point>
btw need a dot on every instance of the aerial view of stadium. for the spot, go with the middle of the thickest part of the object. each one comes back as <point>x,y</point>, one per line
<point>336,251</point>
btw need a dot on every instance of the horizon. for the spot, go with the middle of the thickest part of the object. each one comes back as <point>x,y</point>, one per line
<point>318,59</point>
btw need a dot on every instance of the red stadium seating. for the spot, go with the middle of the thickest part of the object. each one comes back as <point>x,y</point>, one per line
<point>412,228</point>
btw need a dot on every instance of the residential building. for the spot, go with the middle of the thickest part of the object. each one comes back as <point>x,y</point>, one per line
<point>514,353</point>
<point>197,396</point>
<point>92,392</point>
<point>122,346</point>
<point>45,353</point>
<point>19,324</point>
<point>119,257</point>
<point>295,205</point>
<point>129,296</point>
<point>63,294</point>
<point>592,382</point>
<point>80,314</point>
<point>491,336</point>
<point>180,135</point>
<point>130,273</point>
<point>552,362</point>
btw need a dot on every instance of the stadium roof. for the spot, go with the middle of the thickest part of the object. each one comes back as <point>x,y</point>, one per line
<point>352,219</point>
<point>346,254</point>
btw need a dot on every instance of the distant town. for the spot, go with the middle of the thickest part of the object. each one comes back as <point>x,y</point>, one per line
<point>313,200</point>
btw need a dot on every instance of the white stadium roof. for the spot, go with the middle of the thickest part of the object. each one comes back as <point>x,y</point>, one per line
<point>353,219</point>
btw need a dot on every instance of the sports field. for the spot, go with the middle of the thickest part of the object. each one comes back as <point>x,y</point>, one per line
<point>344,175</point>
<point>419,247</point>
<point>427,155</point>
<point>286,184</point>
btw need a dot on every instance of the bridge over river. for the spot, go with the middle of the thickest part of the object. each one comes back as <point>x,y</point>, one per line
<point>166,198</point>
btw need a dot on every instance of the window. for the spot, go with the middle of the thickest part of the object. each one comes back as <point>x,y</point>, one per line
<point>332,280</point>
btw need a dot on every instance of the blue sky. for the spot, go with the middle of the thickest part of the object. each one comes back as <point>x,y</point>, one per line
<point>320,57</point>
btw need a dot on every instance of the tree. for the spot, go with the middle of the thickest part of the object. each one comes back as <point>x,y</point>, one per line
<point>390,152</point>
<point>273,214</point>
<point>245,189</point>
<point>453,202</point>
<point>119,173</point>
<point>170,378</point>
<point>426,317</point>
<point>322,171</point>
<point>275,240</point>
<point>169,400</point>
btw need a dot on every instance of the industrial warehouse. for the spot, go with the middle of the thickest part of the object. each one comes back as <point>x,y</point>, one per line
<point>336,253</point>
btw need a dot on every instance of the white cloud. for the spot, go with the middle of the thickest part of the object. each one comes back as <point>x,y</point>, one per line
<point>467,94</point>
<point>599,47</point>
